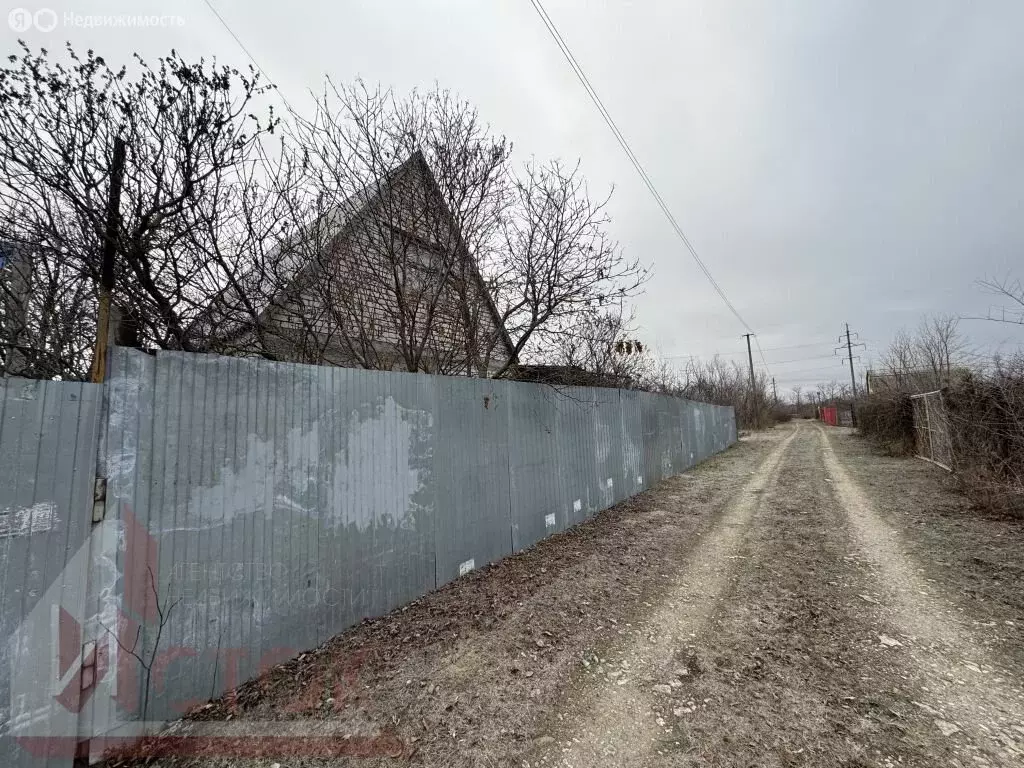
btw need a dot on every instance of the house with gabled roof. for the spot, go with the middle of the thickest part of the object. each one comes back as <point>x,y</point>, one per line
<point>384,281</point>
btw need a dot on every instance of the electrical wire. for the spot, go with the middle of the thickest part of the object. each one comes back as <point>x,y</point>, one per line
<point>621,139</point>
<point>805,359</point>
<point>252,58</point>
<point>743,355</point>
<point>785,375</point>
<point>800,346</point>
<point>761,353</point>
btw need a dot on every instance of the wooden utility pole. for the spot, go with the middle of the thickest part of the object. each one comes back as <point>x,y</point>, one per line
<point>775,392</point>
<point>753,385</point>
<point>14,257</point>
<point>110,239</point>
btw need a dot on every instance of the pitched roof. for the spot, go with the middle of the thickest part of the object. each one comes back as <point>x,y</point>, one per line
<point>336,221</point>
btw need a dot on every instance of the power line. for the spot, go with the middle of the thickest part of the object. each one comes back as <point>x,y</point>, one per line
<point>252,58</point>
<point>800,346</point>
<point>740,354</point>
<point>786,375</point>
<point>761,352</point>
<point>803,359</point>
<point>826,343</point>
<point>585,81</point>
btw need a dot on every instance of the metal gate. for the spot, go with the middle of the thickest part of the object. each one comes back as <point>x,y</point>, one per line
<point>931,429</point>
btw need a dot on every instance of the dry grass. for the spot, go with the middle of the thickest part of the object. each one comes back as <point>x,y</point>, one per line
<point>985,414</point>
<point>888,420</point>
<point>986,418</point>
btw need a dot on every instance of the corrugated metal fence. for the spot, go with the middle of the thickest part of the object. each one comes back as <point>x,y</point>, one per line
<point>254,509</point>
<point>48,443</point>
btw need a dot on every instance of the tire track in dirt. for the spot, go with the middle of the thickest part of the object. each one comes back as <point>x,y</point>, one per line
<point>615,723</point>
<point>471,675</point>
<point>790,670</point>
<point>977,705</point>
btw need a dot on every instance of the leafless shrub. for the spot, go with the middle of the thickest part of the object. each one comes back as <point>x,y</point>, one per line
<point>986,421</point>
<point>602,348</point>
<point>888,420</point>
<point>722,383</point>
<point>983,404</point>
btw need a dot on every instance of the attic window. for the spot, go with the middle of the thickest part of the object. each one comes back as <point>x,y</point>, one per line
<point>414,240</point>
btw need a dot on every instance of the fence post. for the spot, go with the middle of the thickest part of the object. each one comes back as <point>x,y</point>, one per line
<point>928,427</point>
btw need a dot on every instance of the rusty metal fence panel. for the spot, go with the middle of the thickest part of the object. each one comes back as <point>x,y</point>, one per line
<point>931,429</point>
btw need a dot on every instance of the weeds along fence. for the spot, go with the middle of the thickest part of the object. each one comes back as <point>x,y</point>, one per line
<point>974,426</point>
<point>888,419</point>
<point>173,532</point>
<point>986,427</point>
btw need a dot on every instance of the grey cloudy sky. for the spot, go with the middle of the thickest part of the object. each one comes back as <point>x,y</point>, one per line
<point>831,160</point>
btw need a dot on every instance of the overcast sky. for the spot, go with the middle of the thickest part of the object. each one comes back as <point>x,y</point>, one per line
<point>831,161</point>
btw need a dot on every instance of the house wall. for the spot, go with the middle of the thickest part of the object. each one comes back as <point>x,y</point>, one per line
<point>254,509</point>
<point>350,311</point>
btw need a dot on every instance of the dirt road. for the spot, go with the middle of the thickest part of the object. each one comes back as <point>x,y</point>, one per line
<point>798,600</point>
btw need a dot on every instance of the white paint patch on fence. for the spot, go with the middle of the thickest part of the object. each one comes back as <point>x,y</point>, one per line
<point>549,520</point>
<point>577,505</point>
<point>375,444</point>
<point>639,479</point>
<point>25,521</point>
<point>466,567</point>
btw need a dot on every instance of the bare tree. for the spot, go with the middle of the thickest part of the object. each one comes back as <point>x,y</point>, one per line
<point>395,203</point>
<point>558,262</point>
<point>46,329</point>
<point>940,345</point>
<point>927,358</point>
<point>382,232</point>
<point>418,247</point>
<point>901,357</point>
<point>833,391</point>
<point>798,392</point>
<point>602,344</point>
<point>188,132</point>
<point>1008,288</point>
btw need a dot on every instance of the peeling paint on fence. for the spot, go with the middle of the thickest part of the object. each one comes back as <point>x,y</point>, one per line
<point>254,509</point>
<point>37,518</point>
